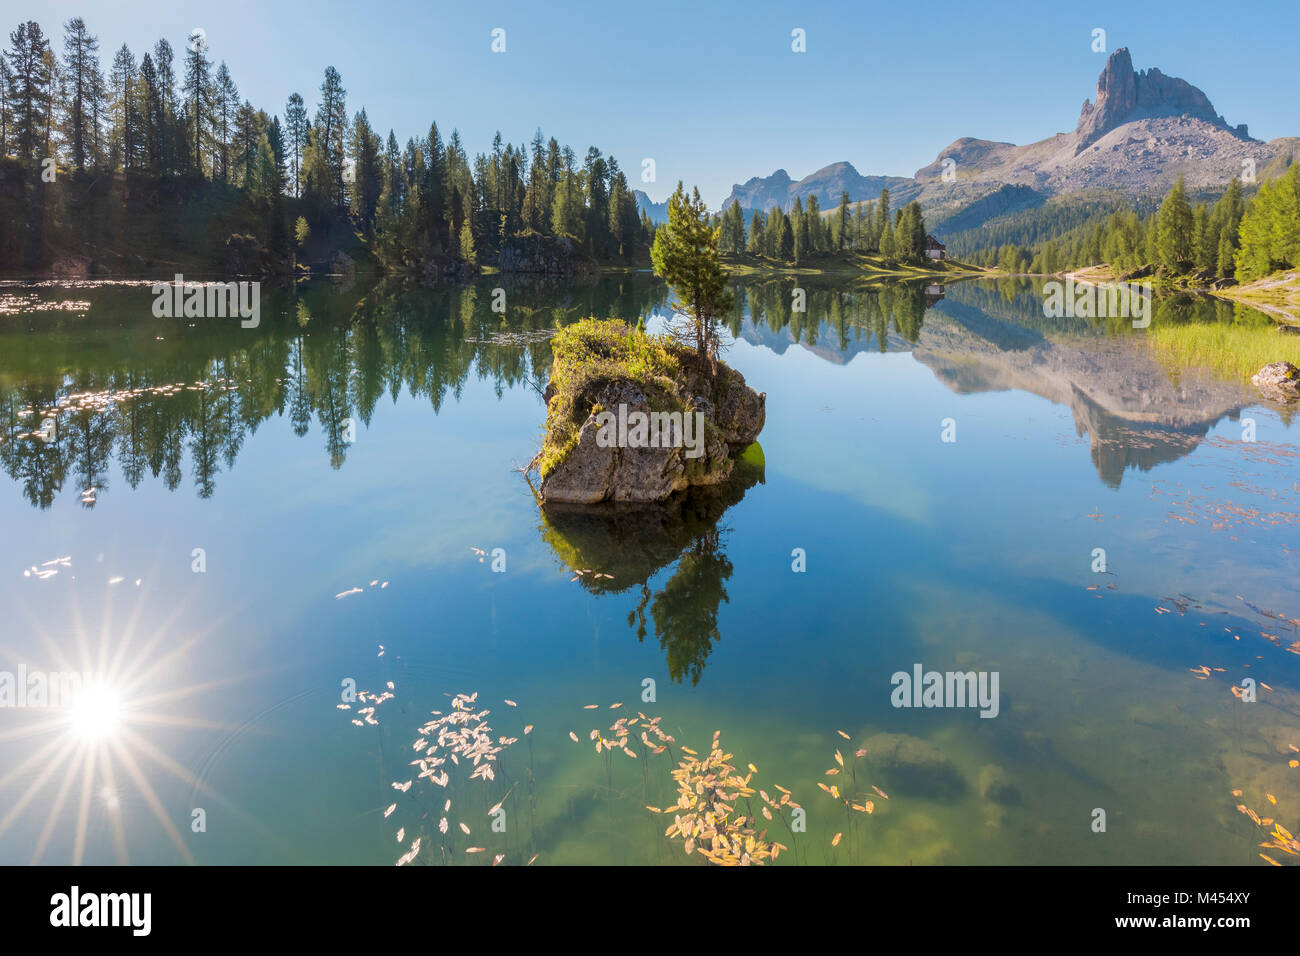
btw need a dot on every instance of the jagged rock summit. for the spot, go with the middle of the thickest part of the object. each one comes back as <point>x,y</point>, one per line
<point>1124,95</point>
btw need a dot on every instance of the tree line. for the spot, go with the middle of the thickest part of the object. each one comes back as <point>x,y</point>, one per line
<point>1236,237</point>
<point>805,233</point>
<point>166,116</point>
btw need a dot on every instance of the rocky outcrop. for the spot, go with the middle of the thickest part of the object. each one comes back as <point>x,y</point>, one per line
<point>1279,381</point>
<point>543,255</point>
<point>1124,95</point>
<point>633,419</point>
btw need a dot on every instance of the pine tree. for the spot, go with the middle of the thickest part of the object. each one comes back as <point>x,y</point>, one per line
<point>80,66</point>
<point>295,126</point>
<point>331,122</point>
<point>882,224</point>
<point>757,241</point>
<point>685,255</point>
<point>30,83</point>
<point>842,224</point>
<point>225,103</point>
<point>799,223</point>
<point>1174,228</point>
<point>785,238</point>
<point>198,99</point>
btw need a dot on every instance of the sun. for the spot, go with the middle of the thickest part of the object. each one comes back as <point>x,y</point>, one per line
<point>96,714</point>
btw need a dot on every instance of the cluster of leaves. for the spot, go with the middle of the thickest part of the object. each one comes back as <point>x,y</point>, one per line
<point>851,797</point>
<point>620,733</point>
<point>706,815</point>
<point>1279,838</point>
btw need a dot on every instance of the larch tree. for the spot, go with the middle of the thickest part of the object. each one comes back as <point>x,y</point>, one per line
<point>80,65</point>
<point>685,255</point>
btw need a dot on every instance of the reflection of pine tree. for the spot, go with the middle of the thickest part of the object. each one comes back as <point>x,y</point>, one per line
<point>205,441</point>
<point>685,612</point>
<point>300,396</point>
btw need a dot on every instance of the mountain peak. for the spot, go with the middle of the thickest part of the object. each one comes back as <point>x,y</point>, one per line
<point>1124,94</point>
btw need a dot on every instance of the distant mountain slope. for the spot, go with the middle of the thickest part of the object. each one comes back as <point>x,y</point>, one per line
<point>657,211</point>
<point>764,192</point>
<point>1143,132</point>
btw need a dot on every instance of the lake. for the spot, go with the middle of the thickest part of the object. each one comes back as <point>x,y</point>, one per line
<point>1091,514</point>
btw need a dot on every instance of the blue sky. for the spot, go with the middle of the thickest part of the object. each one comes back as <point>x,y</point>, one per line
<point>713,91</point>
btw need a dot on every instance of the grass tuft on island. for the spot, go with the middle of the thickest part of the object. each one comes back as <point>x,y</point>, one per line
<point>592,353</point>
<point>589,353</point>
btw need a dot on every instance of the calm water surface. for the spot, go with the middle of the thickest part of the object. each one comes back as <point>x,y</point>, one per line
<point>282,510</point>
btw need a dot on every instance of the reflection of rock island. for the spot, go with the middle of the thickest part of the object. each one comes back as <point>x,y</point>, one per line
<point>1134,414</point>
<point>635,542</point>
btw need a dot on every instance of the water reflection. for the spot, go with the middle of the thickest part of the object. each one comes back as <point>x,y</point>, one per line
<point>636,543</point>
<point>88,375</point>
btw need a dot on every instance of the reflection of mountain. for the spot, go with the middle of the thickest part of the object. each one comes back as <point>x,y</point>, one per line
<point>1134,414</point>
<point>634,543</point>
<point>825,346</point>
<point>981,336</point>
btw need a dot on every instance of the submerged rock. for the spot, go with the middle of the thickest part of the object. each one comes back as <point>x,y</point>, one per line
<point>915,766</point>
<point>636,419</point>
<point>1278,380</point>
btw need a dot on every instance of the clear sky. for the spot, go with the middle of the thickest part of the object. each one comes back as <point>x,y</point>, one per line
<point>712,91</point>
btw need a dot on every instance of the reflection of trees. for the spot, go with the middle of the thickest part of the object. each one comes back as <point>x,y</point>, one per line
<point>835,314</point>
<point>153,392</point>
<point>685,612</point>
<point>635,543</point>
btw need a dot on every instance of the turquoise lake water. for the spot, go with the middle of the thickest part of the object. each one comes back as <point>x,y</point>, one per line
<point>366,437</point>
